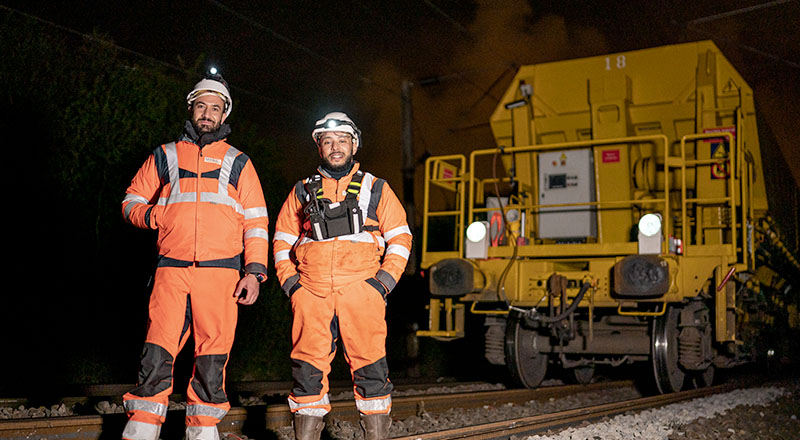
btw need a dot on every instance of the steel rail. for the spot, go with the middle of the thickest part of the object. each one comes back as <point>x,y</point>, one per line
<point>402,407</point>
<point>563,419</point>
<point>258,418</point>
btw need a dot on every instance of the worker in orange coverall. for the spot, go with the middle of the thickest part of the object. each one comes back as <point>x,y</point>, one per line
<point>341,243</point>
<point>205,199</point>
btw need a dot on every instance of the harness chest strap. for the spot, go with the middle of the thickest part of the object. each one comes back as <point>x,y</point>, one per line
<point>327,219</point>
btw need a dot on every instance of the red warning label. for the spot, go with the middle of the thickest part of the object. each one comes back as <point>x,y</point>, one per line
<point>610,156</point>
<point>731,130</point>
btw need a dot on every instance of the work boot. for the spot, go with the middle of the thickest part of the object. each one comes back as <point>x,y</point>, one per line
<point>307,427</point>
<point>376,426</point>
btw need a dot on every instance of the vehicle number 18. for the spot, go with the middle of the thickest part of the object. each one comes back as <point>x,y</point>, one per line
<point>618,62</point>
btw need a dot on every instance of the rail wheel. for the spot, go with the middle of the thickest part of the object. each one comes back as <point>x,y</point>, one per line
<point>700,358</point>
<point>525,363</point>
<point>664,348</point>
<point>583,375</point>
<point>703,379</point>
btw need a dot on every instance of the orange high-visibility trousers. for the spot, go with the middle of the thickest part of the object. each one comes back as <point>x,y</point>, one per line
<point>356,315</point>
<point>185,300</point>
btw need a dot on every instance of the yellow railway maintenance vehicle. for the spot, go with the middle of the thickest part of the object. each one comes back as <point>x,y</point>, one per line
<point>622,217</point>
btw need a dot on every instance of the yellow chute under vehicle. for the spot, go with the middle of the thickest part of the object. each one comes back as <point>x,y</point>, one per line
<point>622,217</point>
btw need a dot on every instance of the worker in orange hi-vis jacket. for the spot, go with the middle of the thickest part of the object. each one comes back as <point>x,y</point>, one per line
<point>341,243</point>
<point>205,199</point>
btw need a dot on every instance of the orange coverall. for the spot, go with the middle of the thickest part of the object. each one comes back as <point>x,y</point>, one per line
<point>208,207</point>
<point>338,288</point>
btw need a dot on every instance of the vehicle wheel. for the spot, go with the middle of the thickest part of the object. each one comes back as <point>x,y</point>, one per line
<point>704,379</point>
<point>525,363</point>
<point>664,348</point>
<point>583,375</point>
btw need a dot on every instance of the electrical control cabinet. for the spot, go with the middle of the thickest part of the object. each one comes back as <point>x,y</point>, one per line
<point>566,177</point>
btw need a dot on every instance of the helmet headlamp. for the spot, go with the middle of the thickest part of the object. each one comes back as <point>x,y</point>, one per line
<point>336,121</point>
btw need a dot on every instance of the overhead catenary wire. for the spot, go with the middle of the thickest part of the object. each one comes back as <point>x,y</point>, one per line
<point>153,60</point>
<point>96,39</point>
<point>390,24</point>
<point>449,19</point>
<point>330,62</point>
<point>692,27</point>
<point>754,50</point>
<point>737,12</point>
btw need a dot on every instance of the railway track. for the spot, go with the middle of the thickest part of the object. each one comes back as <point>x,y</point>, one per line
<point>403,407</point>
<point>254,421</point>
<point>525,426</point>
<point>262,421</point>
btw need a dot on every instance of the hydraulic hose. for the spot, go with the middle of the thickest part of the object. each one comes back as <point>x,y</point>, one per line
<point>553,319</point>
<point>501,290</point>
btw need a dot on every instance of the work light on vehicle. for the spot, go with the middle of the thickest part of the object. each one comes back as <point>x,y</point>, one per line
<point>476,232</point>
<point>650,224</point>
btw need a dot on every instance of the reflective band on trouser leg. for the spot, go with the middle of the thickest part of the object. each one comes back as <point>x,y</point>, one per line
<point>146,406</point>
<point>318,408</point>
<point>372,388</point>
<point>361,313</point>
<point>314,329</point>
<point>378,405</point>
<point>214,314</point>
<point>140,431</point>
<point>201,433</point>
<point>145,419</point>
<point>205,419</point>
<point>205,410</point>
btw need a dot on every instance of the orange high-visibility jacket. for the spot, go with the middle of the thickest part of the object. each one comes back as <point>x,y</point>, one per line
<point>326,265</point>
<point>207,204</point>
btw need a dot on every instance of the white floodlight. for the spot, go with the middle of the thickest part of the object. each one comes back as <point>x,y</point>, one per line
<point>477,243</point>
<point>476,232</point>
<point>650,234</point>
<point>650,224</point>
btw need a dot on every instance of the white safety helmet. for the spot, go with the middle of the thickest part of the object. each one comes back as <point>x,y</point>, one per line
<point>337,121</point>
<point>212,85</point>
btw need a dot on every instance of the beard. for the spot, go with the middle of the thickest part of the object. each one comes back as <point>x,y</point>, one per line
<point>203,129</point>
<point>345,166</point>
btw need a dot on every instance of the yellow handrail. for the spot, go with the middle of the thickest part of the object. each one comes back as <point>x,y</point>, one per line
<point>731,184</point>
<point>458,213</point>
<point>574,145</point>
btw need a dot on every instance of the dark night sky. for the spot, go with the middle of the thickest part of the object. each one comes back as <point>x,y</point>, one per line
<point>291,61</point>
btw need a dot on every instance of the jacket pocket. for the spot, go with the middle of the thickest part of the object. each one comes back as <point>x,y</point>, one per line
<point>378,286</point>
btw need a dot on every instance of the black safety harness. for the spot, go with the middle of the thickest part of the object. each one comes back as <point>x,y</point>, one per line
<point>333,219</point>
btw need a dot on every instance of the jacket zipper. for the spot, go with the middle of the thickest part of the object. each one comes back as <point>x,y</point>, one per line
<point>197,201</point>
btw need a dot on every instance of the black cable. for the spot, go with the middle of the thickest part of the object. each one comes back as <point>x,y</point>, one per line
<point>569,310</point>
<point>501,294</point>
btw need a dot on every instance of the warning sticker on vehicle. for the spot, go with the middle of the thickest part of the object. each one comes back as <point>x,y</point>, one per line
<point>610,156</point>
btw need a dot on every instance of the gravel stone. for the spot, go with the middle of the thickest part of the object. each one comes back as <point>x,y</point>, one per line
<point>106,407</point>
<point>696,419</point>
<point>21,412</point>
<point>459,417</point>
<point>763,413</point>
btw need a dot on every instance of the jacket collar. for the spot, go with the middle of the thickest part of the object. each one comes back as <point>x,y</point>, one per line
<point>326,173</point>
<point>190,135</point>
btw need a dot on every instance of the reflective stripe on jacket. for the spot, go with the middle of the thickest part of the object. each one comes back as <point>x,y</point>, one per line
<point>325,265</point>
<point>207,204</point>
